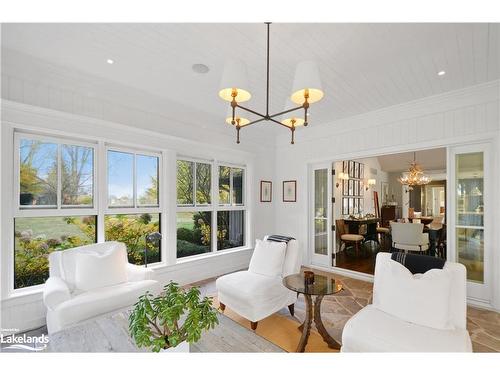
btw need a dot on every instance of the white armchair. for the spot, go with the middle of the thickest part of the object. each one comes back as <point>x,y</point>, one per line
<point>409,237</point>
<point>255,296</point>
<point>373,330</point>
<point>67,305</point>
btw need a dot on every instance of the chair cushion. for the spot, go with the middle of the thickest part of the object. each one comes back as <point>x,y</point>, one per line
<point>372,330</point>
<point>352,237</point>
<point>383,230</point>
<point>86,305</point>
<point>98,270</point>
<point>253,296</point>
<point>268,258</point>
<point>421,298</point>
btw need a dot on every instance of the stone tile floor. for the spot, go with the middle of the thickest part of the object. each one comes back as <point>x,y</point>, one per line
<point>483,325</point>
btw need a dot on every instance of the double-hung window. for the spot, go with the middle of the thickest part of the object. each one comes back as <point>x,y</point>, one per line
<point>210,211</point>
<point>133,202</point>
<point>231,210</point>
<point>55,208</point>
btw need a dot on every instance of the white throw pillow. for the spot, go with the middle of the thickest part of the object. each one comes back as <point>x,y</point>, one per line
<point>94,270</point>
<point>421,298</point>
<point>268,258</point>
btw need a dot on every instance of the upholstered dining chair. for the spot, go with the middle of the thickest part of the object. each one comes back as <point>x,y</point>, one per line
<point>409,237</point>
<point>348,238</point>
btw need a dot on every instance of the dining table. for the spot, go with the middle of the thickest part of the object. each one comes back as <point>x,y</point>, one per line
<point>371,226</point>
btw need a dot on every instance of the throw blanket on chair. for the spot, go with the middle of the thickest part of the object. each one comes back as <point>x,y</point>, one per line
<point>418,263</point>
<point>278,238</point>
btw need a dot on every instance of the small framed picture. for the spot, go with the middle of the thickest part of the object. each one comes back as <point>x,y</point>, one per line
<point>361,171</point>
<point>351,169</point>
<point>351,187</point>
<point>290,191</point>
<point>356,188</point>
<point>351,206</point>
<point>361,187</point>
<point>345,187</point>
<point>356,207</point>
<point>356,170</point>
<point>266,191</point>
<point>361,205</point>
<point>345,166</point>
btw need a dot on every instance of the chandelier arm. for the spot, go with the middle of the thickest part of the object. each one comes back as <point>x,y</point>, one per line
<point>251,111</point>
<point>253,122</point>
<point>279,123</point>
<point>267,80</point>
<point>287,111</point>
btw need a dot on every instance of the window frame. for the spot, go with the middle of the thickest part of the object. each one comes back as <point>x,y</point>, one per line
<point>58,209</point>
<point>214,206</point>
<point>136,208</point>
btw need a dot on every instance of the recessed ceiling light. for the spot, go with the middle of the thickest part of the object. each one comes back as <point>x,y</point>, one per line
<point>441,73</point>
<point>110,61</point>
<point>200,68</point>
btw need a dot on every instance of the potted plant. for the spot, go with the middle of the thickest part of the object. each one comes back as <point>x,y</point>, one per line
<point>171,320</point>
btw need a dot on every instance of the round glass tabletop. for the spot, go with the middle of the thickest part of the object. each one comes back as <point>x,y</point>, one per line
<point>322,285</point>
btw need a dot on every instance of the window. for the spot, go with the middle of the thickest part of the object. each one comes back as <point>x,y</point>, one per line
<point>37,237</point>
<point>198,217</point>
<point>55,187</point>
<point>194,233</point>
<point>132,229</point>
<point>230,186</point>
<point>41,162</point>
<point>133,203</point>
<point>230,229</point>
<point>132,179</point>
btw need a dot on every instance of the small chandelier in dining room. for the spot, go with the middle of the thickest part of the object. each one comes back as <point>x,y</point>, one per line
<point>415,175</point>
<point>234,89</point>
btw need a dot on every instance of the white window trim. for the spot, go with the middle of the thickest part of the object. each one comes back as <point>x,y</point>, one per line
<point>215,207</point>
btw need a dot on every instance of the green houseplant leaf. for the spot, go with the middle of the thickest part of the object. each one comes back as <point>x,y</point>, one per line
<point>174,316</point>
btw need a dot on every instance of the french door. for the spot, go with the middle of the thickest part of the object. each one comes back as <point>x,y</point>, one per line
<point>470,222</point>
<point>321,215</point>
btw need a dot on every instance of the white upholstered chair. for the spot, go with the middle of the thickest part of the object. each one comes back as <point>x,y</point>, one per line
<point>409,237</point>
<point>255,296</point>
<point>373,330</point>
<point>67,305</point>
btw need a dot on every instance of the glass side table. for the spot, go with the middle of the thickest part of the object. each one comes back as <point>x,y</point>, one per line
<point>322,286</point>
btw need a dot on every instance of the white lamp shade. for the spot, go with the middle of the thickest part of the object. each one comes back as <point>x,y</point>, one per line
<point>237,117</point>
<point>297,115</point>
<point>306,80</point>
<point>234,79</point>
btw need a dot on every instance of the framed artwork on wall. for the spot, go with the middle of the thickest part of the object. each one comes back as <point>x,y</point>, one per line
<point>266,191</point>
<point>361,171</point>
<point>361,205</point>
<point>345,166</point>
<point>356,170</point>
<point>290,191</point>
<point>355,205</point>
<point>345,206</point>
<point>356,187</point>
<point>351,188</point>
<point>351,168</point>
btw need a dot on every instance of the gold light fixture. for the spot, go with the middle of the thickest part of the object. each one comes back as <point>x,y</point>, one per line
<point>234,89</point>
<point>342,176</point>
<point>415,175</point>
<point>369,183</point>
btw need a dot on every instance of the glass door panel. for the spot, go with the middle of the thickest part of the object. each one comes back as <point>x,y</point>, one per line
<point>321,208</point>
<point>320,211</point>
<point>469,182</point>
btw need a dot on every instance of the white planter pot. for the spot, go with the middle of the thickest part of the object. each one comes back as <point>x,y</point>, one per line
<point>183,347</point>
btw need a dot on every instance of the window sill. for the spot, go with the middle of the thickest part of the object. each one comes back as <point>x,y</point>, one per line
<point>213,254</point>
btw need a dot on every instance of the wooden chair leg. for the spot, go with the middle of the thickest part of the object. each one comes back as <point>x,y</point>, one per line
<point>222,306</point>
<point>254,325</point>
<point>291,308</point>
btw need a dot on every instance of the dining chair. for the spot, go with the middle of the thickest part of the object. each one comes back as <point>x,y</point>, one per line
<point>346,238</point>
<point>409,237</point>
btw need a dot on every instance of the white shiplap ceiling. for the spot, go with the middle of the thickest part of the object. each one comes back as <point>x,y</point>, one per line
<point>364,67</point>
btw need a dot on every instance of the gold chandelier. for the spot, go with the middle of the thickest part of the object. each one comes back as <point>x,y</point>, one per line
<point>234,89</point>
<point>415,175</point>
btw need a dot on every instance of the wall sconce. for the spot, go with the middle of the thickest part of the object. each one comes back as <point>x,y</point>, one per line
<point>342,176</point>
<point>371,182</point>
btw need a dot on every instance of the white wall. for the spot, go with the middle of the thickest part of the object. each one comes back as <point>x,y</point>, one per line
<point>451,118</point>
